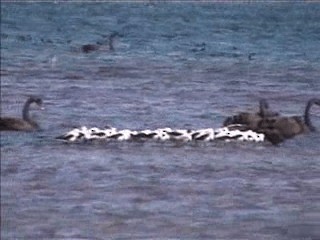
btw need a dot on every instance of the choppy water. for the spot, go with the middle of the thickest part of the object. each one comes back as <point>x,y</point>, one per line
<point>174,65</point>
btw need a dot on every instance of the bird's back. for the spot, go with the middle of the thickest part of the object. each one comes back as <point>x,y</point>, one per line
<point>15,124</point>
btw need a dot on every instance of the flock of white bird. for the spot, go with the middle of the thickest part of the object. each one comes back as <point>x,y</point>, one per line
<point>228,133</point>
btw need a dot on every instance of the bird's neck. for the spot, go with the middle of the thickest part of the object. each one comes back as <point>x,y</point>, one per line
<point>25,111</point>
<point>307,117</point>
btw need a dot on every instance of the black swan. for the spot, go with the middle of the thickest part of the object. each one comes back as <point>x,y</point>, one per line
<point>288,127</point>
<point>24,124</point>
<point>251,120</point>
<point>87,48</point>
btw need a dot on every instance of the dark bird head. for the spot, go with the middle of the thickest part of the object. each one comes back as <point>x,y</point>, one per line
<point>35,99</point>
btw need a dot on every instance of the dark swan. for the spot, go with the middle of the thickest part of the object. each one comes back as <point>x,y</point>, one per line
<point>264,109</point>
<point>87,48</point>
<point>251,120</point>
<point>288,127</point>
<point>24,124</point>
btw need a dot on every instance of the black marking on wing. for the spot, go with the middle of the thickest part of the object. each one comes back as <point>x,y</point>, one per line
<point>143,135</point>
<point>194,135</point>
<point>176,134</point>
<point>116,135</point>
<point>65,137</point>
<point>204,136</point>
<point>100,134</point>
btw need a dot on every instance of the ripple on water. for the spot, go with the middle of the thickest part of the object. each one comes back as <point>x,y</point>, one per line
<point>178,67</point>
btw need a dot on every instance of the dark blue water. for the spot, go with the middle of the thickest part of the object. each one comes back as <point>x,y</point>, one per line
<point>174,65</point>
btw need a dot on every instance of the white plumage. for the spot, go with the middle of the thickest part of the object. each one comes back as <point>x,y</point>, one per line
<point>162,134</point>
<point>207,134</point>
<point>234,132</point>
<point>75,135</point>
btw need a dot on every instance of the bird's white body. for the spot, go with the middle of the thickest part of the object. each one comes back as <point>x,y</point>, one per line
<point>163,134</point>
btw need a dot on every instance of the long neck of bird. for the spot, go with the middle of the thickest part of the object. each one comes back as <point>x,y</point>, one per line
<point>25,111</point>
<point>264,106</point>
<point>307,119</point>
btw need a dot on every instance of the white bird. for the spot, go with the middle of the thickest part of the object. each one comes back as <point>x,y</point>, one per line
<point>251,136</point>
<point>234,132</point>
<point>75,135</point>
<point>95,133</point>
<point>109,132</point>
<point>180,135</point>
<point>122,135</point>
<point>143,134</point>
<point>206,134</point>
<point>162,134</point>
<point>221,132</point>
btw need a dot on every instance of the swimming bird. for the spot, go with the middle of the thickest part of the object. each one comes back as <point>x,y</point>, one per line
<point>75,134</point>
<point>264,109</point>
<point>84,133</point>
<point>143,135</point>
<point>251,136</point>
<point>87,48</point>
<point>288,127</point>
<point>207,134</point>
<point>24,124</point>
<point>232,132</point>
<point>180,135</point>
<point>122,135</point>
<point>80,134</point>
<point>251,120</point>
<point>162,134</point>
<point>96,133</point>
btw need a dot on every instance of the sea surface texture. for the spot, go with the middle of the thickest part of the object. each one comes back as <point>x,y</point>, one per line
<point>178,65</point>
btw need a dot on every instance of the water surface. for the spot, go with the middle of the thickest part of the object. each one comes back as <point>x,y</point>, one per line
<point>175,65</point>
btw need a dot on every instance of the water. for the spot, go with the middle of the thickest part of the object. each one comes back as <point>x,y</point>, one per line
<point>174,65</point>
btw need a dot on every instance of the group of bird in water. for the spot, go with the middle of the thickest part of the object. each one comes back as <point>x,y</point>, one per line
<point>245,126</point>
